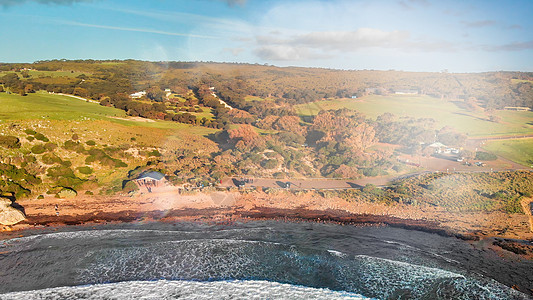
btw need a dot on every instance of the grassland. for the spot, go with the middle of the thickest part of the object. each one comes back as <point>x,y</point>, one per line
<point>475,124</point>
<point>517,150</point>
<point>36,74</point>
<point>52,107</point>
<point>41,105</point>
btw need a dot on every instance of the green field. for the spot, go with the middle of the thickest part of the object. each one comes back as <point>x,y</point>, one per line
<point>444,112</point>
<point>36,74</point>
<point>517,150</point>
<point>41,106</point>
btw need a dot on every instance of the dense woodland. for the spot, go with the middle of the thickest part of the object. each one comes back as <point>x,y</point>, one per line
<point>262,137</point>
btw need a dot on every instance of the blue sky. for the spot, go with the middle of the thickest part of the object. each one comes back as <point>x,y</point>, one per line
<point>411,35</point>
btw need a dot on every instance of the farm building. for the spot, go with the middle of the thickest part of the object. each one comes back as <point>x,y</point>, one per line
<point>406,92</point>
<point>519,108</point>
<point>138,95</point>
<point>151,178</point>
<point>439,147</point>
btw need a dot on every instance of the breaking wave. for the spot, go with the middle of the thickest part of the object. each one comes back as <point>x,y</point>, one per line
<point>222,264</point>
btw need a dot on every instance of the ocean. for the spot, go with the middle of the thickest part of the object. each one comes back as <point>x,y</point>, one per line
<point>252,260</point>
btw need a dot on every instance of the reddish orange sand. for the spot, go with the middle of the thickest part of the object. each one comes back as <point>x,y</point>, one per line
<point>170,205</point>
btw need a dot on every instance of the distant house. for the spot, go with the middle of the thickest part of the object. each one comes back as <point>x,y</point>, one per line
<point>138,95</point>
<point>151,177</point>
<point>438,147</point>
<point>406,92</point>
<point>354,97</point>
<point>519,108</point>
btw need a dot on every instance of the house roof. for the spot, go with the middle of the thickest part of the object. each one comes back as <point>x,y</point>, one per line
<point>152,175</point>
<point>437,145</point>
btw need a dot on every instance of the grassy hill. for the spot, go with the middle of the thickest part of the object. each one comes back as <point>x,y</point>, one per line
<point>58,135</point>
<point>446,113</point>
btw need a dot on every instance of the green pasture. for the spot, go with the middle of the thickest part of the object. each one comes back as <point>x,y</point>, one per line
<point>446,113</point>
<point>36,74</point>
<point>44,106</point>
<point>517,150</point>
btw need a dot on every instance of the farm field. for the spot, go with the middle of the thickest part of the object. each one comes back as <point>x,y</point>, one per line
<point>517,150</point>
<point>444,112</point>
<point>42,105</point>
<point>37,74</point>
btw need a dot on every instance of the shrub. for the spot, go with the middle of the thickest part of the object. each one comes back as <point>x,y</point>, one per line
<point>129,186</point>
<point>30,132</point>
<point>51,158</point>
<point>40,197</point>
<point>66,163</point>
<point>60,171</point>
<point>480,155</point>
<point>90,143</point>
<point>41,137</point>
<point>10,142</point>
<point>38,149</point>
<point>154,153</point>
<point>50,146</point>
<point>85,170</point>
<point>269,163</point>
<point>371,172</point>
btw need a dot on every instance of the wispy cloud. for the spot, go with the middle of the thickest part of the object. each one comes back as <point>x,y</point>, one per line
<point>411,4</point>
<point>235,2</point>
<point>145,30</point>
<point>327,44</point>
<point>6,3</point>
<point>515,46</point>
<point>228,25</point>
<point>479,24</point>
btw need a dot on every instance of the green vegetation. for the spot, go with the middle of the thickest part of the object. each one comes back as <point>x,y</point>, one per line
<point>480,155</point>
<point>517,150</point>
<point>277,122</point>
<point>466,191</point>
<point>445,113</point>
<point>52,107</point>
<point>9,141</point>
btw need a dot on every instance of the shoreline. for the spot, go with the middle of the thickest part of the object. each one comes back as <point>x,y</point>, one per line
<point>514,231</point>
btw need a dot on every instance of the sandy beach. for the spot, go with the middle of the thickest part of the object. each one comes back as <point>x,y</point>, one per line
<point>216,206</point>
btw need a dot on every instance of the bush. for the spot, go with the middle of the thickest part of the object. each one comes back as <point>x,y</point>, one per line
<point>50,159</point>
<point>10,142</point>
<point>90,143</point>
<point>60,171</point>
<point>85,170</point>
<point>38,149</point>
<point>129,186</point>
<point>41,137</point>
<point>50,146</point>
<point>30,132</point>
<point>154,153</point>
<point>371,172</point>
<point>269,163</point>
<point>480,155</point>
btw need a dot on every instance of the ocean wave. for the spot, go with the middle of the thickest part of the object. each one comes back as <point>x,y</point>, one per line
<point>164,289</point>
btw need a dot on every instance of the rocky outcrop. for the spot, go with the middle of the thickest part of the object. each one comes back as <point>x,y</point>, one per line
<point>67,193</point>
<point>8,214</point>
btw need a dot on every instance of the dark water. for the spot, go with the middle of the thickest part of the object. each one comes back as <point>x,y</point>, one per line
<point>375,262</point>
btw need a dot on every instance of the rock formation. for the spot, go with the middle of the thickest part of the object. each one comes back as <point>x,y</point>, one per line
<point>8,214</point>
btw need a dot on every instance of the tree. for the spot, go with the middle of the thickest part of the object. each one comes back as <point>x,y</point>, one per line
<point>155,93</point>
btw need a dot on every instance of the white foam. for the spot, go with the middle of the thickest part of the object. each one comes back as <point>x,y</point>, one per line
<point>165,289</point>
